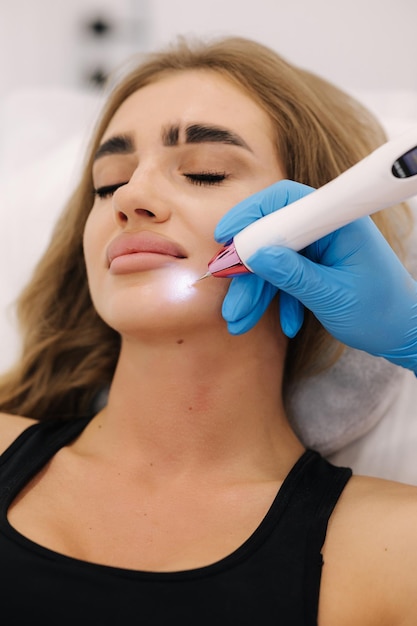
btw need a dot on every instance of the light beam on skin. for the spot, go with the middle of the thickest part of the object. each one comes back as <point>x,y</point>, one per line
<point>180,284</point>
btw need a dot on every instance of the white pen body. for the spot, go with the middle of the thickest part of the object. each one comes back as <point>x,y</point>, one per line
<point>363,189</point>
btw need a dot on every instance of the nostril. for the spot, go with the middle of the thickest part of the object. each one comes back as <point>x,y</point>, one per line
<point>122,216</point>
<point>125,216</point>
<point>144,212</point>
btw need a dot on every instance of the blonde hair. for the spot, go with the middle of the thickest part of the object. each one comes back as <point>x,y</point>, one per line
<point>68,353</point>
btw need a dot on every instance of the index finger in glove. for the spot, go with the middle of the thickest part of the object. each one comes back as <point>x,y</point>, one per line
<point>257,205</point>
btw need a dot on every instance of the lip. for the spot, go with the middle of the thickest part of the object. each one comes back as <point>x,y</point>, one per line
<point>143,250</point>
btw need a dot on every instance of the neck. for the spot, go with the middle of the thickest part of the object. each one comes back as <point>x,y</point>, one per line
<point>200,401</point>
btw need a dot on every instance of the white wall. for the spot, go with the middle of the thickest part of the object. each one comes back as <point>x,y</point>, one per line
<point>45,42</point>
<point>360,44</point>
<point>357,43</point>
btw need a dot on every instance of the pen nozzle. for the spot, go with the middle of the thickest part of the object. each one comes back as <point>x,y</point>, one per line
<point>206,275</point>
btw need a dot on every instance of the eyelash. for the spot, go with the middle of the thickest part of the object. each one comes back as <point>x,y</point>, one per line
<point>107,191</point>
<point>201,178</point>
<point>207,178</point>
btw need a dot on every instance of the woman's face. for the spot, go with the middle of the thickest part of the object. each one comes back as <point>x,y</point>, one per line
<point>176,156</point>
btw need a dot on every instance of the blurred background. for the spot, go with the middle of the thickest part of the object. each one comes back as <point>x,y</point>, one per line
<point>360,44</point>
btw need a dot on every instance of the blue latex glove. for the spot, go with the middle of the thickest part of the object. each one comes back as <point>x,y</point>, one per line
<point>351,280</point>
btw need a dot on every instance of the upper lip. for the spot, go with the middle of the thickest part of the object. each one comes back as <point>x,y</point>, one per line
<point>144,241</point>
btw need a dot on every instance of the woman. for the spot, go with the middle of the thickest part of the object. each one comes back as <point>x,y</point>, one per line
<point>188,497</point>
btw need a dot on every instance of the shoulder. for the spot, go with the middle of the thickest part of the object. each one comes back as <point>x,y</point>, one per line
<point>379,505</point>
<point>11,426</point>
<point>371,549</point>
<point>382,512</point>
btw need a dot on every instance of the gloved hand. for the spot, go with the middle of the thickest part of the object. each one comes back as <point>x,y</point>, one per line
<point>351,280</point>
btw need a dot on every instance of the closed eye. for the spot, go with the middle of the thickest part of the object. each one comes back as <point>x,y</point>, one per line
<point>107,190</point>
<point>200,178</point>
<point>207,178</point>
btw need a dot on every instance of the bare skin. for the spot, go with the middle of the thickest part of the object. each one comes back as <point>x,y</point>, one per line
<point>184,462</point>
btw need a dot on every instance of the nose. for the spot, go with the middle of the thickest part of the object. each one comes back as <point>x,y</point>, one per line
<point>144,197</point>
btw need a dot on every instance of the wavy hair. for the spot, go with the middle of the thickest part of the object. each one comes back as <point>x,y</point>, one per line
<point>68,353</point>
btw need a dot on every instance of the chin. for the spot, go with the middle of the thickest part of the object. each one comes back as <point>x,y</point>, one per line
<point>165,300</point>
<point>148,316</point>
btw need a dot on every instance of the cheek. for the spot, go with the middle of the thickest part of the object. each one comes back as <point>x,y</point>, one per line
<point>175,284</point>
<point>180,285</point>
<point>94,257</point>
<point>202,232</point>
<point>95,232</point>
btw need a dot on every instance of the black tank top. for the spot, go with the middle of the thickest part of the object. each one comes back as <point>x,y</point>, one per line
<point>272,579</point>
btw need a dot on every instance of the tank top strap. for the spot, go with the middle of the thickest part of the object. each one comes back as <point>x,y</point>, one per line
<point>32,449</point>
<point>321,485</point>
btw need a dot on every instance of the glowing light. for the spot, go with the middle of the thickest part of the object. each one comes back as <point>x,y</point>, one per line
<point>179,284</point>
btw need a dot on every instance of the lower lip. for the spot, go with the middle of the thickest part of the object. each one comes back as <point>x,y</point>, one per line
<point>140,262</point>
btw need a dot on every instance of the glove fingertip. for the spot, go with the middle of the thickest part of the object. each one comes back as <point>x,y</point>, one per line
<point>291,313</point>
<point>243,296</point>
<point>239,327</point>
<point>290,328</point>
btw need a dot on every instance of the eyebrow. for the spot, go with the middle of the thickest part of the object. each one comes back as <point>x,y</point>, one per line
<point>194,133</point>
<point>202,133</point>
<point>119,144</point>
